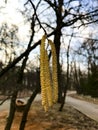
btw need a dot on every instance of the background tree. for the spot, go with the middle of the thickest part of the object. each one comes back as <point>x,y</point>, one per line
<point>89,50</point>
<point>9,42</point>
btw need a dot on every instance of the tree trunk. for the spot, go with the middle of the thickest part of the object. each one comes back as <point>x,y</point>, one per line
<point>66,87</point>
<point>25,113</point>
<point>12,111</point>
<point>57,43</point>
<point>56,40</point>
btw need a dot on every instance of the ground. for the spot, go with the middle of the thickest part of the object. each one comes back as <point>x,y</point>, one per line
<point>38,119</point>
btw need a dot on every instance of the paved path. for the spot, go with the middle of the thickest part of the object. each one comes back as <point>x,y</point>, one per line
<point>89,109</point>
<point>5,106</point>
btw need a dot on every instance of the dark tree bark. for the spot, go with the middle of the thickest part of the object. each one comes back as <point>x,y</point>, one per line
<point>12,111</point>
<point>57,43</point>
<point>25,113</point>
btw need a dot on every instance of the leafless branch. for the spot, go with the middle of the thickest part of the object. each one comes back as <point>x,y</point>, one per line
<point>83,37</point>
<point>87,23</point>
<point>53,5</point>
<point>4,100</point>
<point>37,16</point>
<point>28,50</point>
<point>48,25</point>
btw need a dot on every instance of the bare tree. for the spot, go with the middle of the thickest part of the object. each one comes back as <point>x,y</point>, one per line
<point>66,14</point>
<point>8,41</point>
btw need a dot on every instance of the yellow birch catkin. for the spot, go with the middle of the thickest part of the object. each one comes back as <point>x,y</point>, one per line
<point>49,86</point>
<point>48,81</point>
<point>42,72</point>
<point>46,88</point>
<point>54,72</point>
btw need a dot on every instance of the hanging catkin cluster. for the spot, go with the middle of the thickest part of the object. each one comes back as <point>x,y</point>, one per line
<point>49,85</point>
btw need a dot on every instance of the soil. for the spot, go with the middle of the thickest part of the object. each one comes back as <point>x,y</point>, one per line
<point>38,119</point>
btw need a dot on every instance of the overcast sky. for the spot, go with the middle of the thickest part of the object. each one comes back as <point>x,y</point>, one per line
<point>10,14</point>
